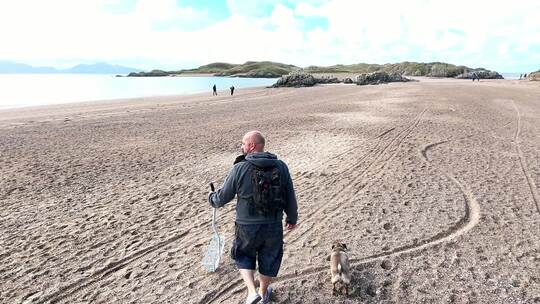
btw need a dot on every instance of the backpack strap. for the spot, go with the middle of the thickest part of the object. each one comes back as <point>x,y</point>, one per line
<point>239,159</point>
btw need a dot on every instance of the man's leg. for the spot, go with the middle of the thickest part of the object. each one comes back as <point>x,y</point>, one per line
<point>269,257</point>
<point>249,280</point>
<point>265,282</point>
<point>243,252</point>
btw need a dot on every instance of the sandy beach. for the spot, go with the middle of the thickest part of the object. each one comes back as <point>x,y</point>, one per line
<point>433,185</point>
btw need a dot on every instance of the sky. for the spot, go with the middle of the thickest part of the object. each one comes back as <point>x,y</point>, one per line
<point>177,34</point>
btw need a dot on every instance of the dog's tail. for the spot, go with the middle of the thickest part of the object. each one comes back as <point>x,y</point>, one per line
<point>335,268</point>
<point>339,276</point>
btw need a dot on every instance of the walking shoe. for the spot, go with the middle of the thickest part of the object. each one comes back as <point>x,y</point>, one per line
<point>253,298</point>
<point>267,295</point>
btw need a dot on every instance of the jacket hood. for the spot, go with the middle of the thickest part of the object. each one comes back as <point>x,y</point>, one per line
<point>262,159</point>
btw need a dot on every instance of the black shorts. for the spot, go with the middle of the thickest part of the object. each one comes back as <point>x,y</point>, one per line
<point>261,244</point>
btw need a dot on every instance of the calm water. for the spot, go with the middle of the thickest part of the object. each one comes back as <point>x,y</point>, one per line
<point>510,75</point>
<point>21,90</point>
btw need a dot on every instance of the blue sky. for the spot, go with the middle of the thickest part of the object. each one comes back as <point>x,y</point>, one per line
<point>175,34</point>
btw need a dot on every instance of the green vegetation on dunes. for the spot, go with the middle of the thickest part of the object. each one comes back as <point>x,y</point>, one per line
<point>406,68</point>
<point>153,73</point>
<point>269,69</point>
<point>261,69</point>
<point>266,69</point>
<point>535,76</point>
<point>216,67</point>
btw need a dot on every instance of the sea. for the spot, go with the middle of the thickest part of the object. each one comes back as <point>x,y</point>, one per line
<point>25,90</point>
<point>510,75</point>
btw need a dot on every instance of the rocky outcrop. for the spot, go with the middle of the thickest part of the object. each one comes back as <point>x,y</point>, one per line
<point>153,73</point>
<point>465,75</point>
<point>482,74</point>
<point>535,76</point>
<point>301,79</point>
<point>295,80</point>
<point>324,80</point>
<point>485,74</point>
<point>440,70</point>
<point>379,77</point>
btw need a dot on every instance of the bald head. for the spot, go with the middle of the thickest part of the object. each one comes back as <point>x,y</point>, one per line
<point>253,141</point>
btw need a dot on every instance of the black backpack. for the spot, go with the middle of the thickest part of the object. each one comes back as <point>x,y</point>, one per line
<point>267,193</point>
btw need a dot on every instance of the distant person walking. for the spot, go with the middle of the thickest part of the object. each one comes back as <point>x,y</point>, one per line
<point>214,90</point>
<point>232,90</point>
<point>520,76</point>
<point>525,76</point>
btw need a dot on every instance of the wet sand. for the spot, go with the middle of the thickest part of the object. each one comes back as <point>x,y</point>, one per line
<point>433,185</point>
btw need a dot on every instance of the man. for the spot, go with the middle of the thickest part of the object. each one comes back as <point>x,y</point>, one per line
<point>214,90</point>
<point>264,190</point>
<point>232,90</point>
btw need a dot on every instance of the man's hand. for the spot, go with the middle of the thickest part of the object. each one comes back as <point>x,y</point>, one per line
<point>290,226</point>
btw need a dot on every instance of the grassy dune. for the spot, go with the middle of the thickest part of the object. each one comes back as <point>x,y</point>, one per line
<point>269,69</point>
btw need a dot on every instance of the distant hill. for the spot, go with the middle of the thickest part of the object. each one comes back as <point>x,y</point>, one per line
<point>269,69</point>
<point>100,68</point>
<point>7,67</point>
<point>251,69</point>
<point>432,69</point>
<point>216,67</point>
<point>535,76</point>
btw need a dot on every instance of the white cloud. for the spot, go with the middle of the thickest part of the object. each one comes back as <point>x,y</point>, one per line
<point>283,17</point>
<point>308,10</point>
<point>157,31</point>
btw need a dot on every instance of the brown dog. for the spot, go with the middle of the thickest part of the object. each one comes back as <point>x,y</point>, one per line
<point>339,268</point>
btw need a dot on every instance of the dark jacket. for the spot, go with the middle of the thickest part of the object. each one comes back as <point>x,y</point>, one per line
<point>238,182</point>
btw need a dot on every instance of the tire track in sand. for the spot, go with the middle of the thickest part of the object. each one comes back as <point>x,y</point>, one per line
<point>523,162</point>
<point>70,290</point>
<point>77,287</point>
<point>356,180</point>
<point>334,161</point>
<point>424,155</point>
<point>464,225</point>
